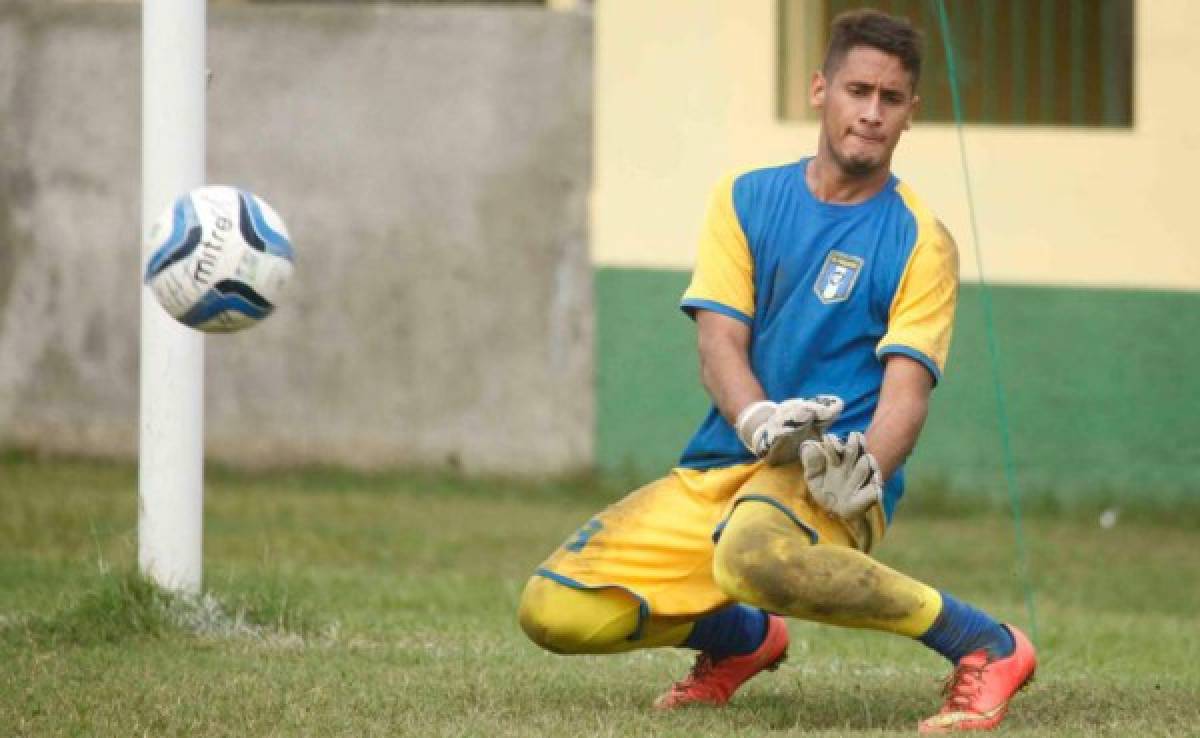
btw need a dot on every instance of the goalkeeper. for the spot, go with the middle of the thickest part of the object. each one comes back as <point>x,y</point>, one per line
<point>824,295</point>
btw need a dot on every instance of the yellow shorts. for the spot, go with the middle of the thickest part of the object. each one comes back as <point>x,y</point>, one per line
<point>657,543</point>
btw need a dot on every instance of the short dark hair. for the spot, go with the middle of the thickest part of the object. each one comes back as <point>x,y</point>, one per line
<point>890,34</point>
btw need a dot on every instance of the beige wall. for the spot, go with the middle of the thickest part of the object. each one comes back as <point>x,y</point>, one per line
<point>685,90</point>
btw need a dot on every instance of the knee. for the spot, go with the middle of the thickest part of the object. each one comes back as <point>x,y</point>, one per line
<point>765,561</point>
<point>746,563</point>
<point>564,620</point>
<point>794,576</point>
<point>543,624</point>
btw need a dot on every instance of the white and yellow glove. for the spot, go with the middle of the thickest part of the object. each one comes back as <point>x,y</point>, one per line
<point>775,431</point>
<point>844,480</point>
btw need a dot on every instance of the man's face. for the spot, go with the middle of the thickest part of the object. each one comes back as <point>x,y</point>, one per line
<point>865,107</point>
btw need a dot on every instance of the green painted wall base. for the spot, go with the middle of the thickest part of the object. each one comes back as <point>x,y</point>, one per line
<point>1102,391</point>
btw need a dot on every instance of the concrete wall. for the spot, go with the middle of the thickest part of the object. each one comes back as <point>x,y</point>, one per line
<point>1055,205</point>
<point>433,166</point>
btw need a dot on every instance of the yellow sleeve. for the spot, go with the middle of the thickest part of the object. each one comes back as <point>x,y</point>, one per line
<point>723,280</point>
<point>921,319</point>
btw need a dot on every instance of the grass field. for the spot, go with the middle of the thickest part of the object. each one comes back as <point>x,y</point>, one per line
<point>355,605</point>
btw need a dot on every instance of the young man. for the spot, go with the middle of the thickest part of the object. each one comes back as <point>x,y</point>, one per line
<point>824,296</point>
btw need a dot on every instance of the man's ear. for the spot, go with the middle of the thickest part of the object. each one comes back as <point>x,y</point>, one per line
<point>912,111</point>
<point>816,90</point>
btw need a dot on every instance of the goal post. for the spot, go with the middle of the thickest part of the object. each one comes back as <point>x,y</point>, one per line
<point>171,412</point>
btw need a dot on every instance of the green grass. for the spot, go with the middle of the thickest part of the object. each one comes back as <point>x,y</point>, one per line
<point>355,605</point>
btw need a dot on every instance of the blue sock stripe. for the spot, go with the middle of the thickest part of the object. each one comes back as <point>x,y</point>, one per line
<point>736,630</point>
<point>961,629</point>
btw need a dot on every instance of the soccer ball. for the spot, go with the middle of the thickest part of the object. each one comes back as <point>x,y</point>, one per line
<point>220,259</point>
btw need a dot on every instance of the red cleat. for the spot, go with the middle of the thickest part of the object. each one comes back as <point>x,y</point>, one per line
<point>978,692</point>
<point>713,682</point>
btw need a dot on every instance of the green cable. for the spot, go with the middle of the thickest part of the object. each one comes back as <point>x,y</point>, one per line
<point>1010,473</point>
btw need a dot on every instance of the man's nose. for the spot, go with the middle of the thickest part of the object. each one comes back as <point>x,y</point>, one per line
<point>871,112</point>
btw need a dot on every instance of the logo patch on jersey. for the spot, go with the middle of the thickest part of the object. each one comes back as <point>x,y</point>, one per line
<point>837,277</point>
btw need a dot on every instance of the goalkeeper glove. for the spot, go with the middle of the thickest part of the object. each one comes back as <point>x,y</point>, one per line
<point>844,479</point>
<point>775,431</point>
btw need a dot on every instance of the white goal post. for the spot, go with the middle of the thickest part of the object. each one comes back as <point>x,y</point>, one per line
<point>171,425</point>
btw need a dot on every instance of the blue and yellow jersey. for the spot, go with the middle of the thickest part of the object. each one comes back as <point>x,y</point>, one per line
<point>828,292</point>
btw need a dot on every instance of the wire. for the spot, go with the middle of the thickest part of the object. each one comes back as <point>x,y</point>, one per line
<point>1010,472</point>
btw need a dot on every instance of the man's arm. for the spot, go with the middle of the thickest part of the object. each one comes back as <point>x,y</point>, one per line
<point>724,345</point>
<point>900,414</point>
<point>770,430</point>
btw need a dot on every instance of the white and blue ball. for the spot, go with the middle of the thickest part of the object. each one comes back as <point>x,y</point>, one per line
<point>220,259</point>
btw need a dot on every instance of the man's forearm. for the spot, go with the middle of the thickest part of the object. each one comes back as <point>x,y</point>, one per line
<point>726,374</point>
<point>724,347</point>
<point>893,432</point>
<point>900,415</point>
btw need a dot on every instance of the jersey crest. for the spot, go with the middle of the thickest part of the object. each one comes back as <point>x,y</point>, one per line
<point>837,277</point>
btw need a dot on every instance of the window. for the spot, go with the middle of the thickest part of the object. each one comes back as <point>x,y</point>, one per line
<point>1049,62</point>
